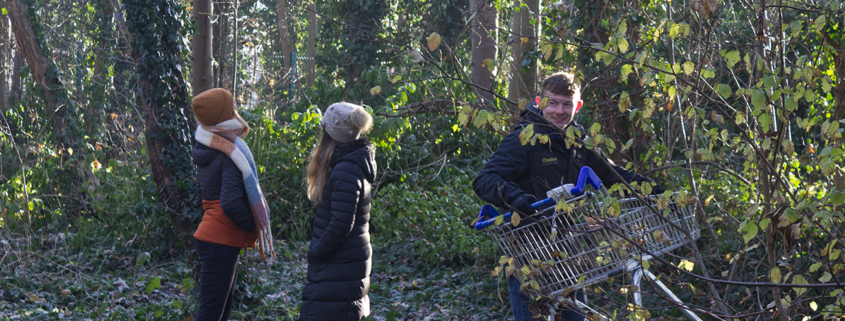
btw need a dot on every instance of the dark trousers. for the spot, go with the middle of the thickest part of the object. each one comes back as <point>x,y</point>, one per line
<point>520,303</point>
<point>217,280</point>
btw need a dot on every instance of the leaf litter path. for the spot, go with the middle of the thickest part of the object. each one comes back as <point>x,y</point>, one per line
<point>59,280</point>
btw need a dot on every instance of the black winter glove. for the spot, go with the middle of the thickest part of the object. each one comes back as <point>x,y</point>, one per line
<point>522,204</point>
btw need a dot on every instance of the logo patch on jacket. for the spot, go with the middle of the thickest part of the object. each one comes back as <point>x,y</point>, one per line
<point>549,160</point>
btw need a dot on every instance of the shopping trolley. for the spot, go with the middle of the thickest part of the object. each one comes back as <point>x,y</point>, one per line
<point>591,238</point>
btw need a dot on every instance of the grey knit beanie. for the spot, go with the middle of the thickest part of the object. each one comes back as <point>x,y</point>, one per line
<point>345,122</point>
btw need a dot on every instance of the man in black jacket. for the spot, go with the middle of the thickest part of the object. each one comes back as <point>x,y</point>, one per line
<point>520,174</point>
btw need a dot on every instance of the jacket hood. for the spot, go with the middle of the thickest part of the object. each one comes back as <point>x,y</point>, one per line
<point>359,152</point>
<point>203,154</point>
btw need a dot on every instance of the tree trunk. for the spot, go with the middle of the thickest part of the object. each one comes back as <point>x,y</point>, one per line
<point>17,65</point>
<point>523,82</point>
<point>483,45</point>
<point>284,42</point>
<point>64,132</point>
<point>202,77</point>
<point>219,41</point>
<point>838,93</point>
<point>5,42</point>
<point>167,113</point>
<point>33,53</point>
<point>311,50</point>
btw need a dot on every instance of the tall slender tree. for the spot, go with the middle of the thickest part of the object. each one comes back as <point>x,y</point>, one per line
<point>219,44</point>
<point>284,42</point>
<point>524,35</point>
<point>484,47</point>
<point>4,62</point>
<point>311,49</point>
<point>202,76</point>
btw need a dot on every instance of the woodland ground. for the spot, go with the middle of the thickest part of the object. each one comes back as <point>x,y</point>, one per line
<point>55,282</point>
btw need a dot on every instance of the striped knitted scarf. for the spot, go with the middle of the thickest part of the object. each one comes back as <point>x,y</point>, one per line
<point>226,137</point>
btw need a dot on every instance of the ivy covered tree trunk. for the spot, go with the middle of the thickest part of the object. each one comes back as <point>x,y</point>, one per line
<point>202,77</point>
<point>364,49</point>
<point>484,47</point>
<point>158,39</point>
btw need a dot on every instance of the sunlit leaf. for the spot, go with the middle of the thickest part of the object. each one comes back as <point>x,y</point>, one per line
<point>624,103</point>
<point>739,118</point>
<point>724,90</point>
<point>625,71</point>
<point>758,99</point>
<point>799,280</point>
<point>544,102</point>
<point>595,129</point>
<point>820,22</point>
<point>774,275</point>
<point>686,265</point>
<point>375,90</point>
<point>622,44</point>
<point>433,41</point>
<point>825,277</point>
<point>480,119</point>
<point>547,49</point>
<point>750,232</point>
<point>837,198</point>
<point>152,285</point>
<point>732,57</point>
<point>689,67</point>
<point>526,134</point>
<point>765,121</point>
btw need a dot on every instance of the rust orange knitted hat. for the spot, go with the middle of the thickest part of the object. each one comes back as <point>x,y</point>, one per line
<point>214,106</point>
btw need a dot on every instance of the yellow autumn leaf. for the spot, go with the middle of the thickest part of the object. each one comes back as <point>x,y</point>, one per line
<point>433,41</point>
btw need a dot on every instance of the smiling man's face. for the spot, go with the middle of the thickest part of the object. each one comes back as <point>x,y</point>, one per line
<point>560,109</point>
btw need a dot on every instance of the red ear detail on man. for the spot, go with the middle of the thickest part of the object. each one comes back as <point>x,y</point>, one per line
<point>578,107</point>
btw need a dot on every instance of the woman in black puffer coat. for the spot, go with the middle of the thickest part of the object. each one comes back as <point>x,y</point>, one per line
<point>340,177</point>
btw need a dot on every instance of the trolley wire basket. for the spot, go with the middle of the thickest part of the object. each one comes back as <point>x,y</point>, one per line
<point>592,242</point>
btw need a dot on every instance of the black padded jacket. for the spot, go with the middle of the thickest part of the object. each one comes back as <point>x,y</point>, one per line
<point>220,179</point>
<point>340,255</point>
<point>516,169</point>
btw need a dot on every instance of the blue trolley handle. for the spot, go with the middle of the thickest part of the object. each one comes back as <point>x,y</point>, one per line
<point>489,211</point>
<point>587,175</point>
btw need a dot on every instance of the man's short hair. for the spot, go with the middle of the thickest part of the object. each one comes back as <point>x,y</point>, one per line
<point>562,83</point>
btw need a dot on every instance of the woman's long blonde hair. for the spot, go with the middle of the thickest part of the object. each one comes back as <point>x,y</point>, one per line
<point>319,166</point>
